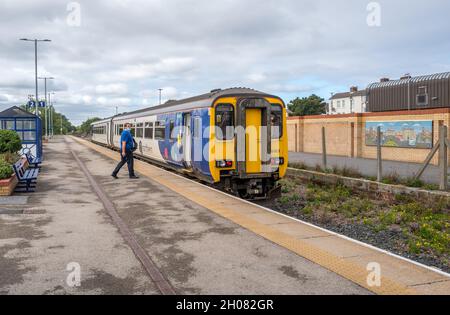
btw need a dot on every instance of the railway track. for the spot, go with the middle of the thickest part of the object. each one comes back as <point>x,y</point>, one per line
<point>329,257</point>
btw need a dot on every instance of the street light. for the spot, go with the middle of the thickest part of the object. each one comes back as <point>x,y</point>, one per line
<point>51,123</point>
<point>46,108</point>
<point>35,65</point>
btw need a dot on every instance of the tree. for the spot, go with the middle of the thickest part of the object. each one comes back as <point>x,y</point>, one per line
<point>85,127</point>
<point>307,106</point>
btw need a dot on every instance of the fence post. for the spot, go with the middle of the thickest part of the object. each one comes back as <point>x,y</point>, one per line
<point>324,149</point>
<point>379,157</point>
<point>443,157</point>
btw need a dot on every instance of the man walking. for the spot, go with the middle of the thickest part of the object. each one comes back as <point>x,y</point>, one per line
<point>126,152</point>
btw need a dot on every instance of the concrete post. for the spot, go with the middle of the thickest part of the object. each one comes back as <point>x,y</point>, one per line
<point>379,157</point>
<point>324,149</point>
<point>443,158</point>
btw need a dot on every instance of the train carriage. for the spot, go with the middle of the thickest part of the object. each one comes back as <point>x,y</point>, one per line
<point>234,138</point>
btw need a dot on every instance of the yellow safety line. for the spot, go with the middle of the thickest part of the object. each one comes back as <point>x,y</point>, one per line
<point>338,265</point>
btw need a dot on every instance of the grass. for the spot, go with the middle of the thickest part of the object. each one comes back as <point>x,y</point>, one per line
<point>424,228</point>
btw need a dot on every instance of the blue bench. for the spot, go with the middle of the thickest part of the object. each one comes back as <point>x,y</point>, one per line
<point>32,161</point>
<point>27,177</point>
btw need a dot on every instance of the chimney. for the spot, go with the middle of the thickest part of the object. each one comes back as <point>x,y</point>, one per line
<point>384,80</point>
<point>406,77</point>
<point>353,89</point>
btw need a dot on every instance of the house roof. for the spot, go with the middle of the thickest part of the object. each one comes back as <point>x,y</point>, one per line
<point>348,94</point>
<point>423,78</point>
<point>16,112</point>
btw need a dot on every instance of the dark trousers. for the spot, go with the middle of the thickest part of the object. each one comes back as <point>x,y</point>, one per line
<point>127,159</point>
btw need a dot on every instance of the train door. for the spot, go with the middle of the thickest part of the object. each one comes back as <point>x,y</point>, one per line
<point>255,146</point>
<point>187,140</point>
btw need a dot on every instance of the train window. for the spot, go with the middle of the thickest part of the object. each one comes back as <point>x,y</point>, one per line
<point>133,130</point>
<point>140,130</point>
<point>120,130</point>
<point>148,131</point>
<point>224,122</point>
<point>197,127</point>
<point>172,135</point>
<point>277,121</point>
<point>160,130</point>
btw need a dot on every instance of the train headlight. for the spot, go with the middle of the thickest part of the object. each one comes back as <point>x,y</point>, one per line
<point>224,164</point>
<point>278,161</point>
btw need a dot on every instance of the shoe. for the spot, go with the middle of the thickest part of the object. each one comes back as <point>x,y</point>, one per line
<point>134,177</point>
<point>115,176</point>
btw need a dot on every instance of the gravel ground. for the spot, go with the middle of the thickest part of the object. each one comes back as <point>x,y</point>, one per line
<point>391,240</point>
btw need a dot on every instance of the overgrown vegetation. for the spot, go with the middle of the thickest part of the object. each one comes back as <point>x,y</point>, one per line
<point>415,227</point>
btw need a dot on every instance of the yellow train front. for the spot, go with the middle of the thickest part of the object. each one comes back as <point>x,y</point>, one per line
<point>234,138</point>
<point>248,144</point>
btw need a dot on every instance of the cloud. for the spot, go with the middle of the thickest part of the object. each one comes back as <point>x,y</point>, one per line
<point>112,89</point>
<point>125,50</point>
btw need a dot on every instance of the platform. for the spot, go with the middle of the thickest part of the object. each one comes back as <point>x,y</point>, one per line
<point>201,241</point>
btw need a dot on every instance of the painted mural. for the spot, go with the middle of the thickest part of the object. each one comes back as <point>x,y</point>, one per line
<point>401,134</point>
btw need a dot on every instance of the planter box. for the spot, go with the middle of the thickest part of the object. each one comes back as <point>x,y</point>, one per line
<point>7,186</point>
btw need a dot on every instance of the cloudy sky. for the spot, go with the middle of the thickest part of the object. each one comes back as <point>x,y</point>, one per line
<point>110,53</point>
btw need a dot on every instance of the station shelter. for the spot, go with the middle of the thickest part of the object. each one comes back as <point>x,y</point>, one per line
<point>27,125</point>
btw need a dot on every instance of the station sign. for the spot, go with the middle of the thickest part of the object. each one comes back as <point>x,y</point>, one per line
<point>31,104</point>
<point>42,104</point>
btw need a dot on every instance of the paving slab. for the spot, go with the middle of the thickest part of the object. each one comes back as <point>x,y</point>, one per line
<point>332,254</point>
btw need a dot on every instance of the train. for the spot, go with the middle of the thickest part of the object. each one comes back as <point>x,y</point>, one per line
<point>234,139</point>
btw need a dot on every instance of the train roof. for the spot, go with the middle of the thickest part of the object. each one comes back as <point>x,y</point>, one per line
<point>200,101</point>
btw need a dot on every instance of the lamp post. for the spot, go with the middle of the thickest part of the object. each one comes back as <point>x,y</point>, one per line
<point>46,108</point>
<point>50,122</point>
<point>35,66</point>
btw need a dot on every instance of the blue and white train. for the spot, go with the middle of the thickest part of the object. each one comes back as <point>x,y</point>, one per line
<point>200,136</point>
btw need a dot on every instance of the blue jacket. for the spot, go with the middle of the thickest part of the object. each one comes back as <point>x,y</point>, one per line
<point>128,138</point>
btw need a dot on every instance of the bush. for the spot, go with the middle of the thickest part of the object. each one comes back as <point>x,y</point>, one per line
<point>6,170</point>
<point>9,142</point>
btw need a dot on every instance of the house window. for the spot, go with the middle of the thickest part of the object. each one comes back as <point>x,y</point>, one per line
<point>422,97</point>
<point>338,104</point>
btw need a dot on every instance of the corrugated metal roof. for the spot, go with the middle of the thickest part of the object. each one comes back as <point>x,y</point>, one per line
<point>16,112</point>
<point>437,76</point>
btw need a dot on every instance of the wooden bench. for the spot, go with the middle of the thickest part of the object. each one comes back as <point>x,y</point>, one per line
<point>32,161</point>
<point>27,177</point>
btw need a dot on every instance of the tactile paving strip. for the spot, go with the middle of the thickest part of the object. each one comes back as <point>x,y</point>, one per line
<point>340,266</point>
